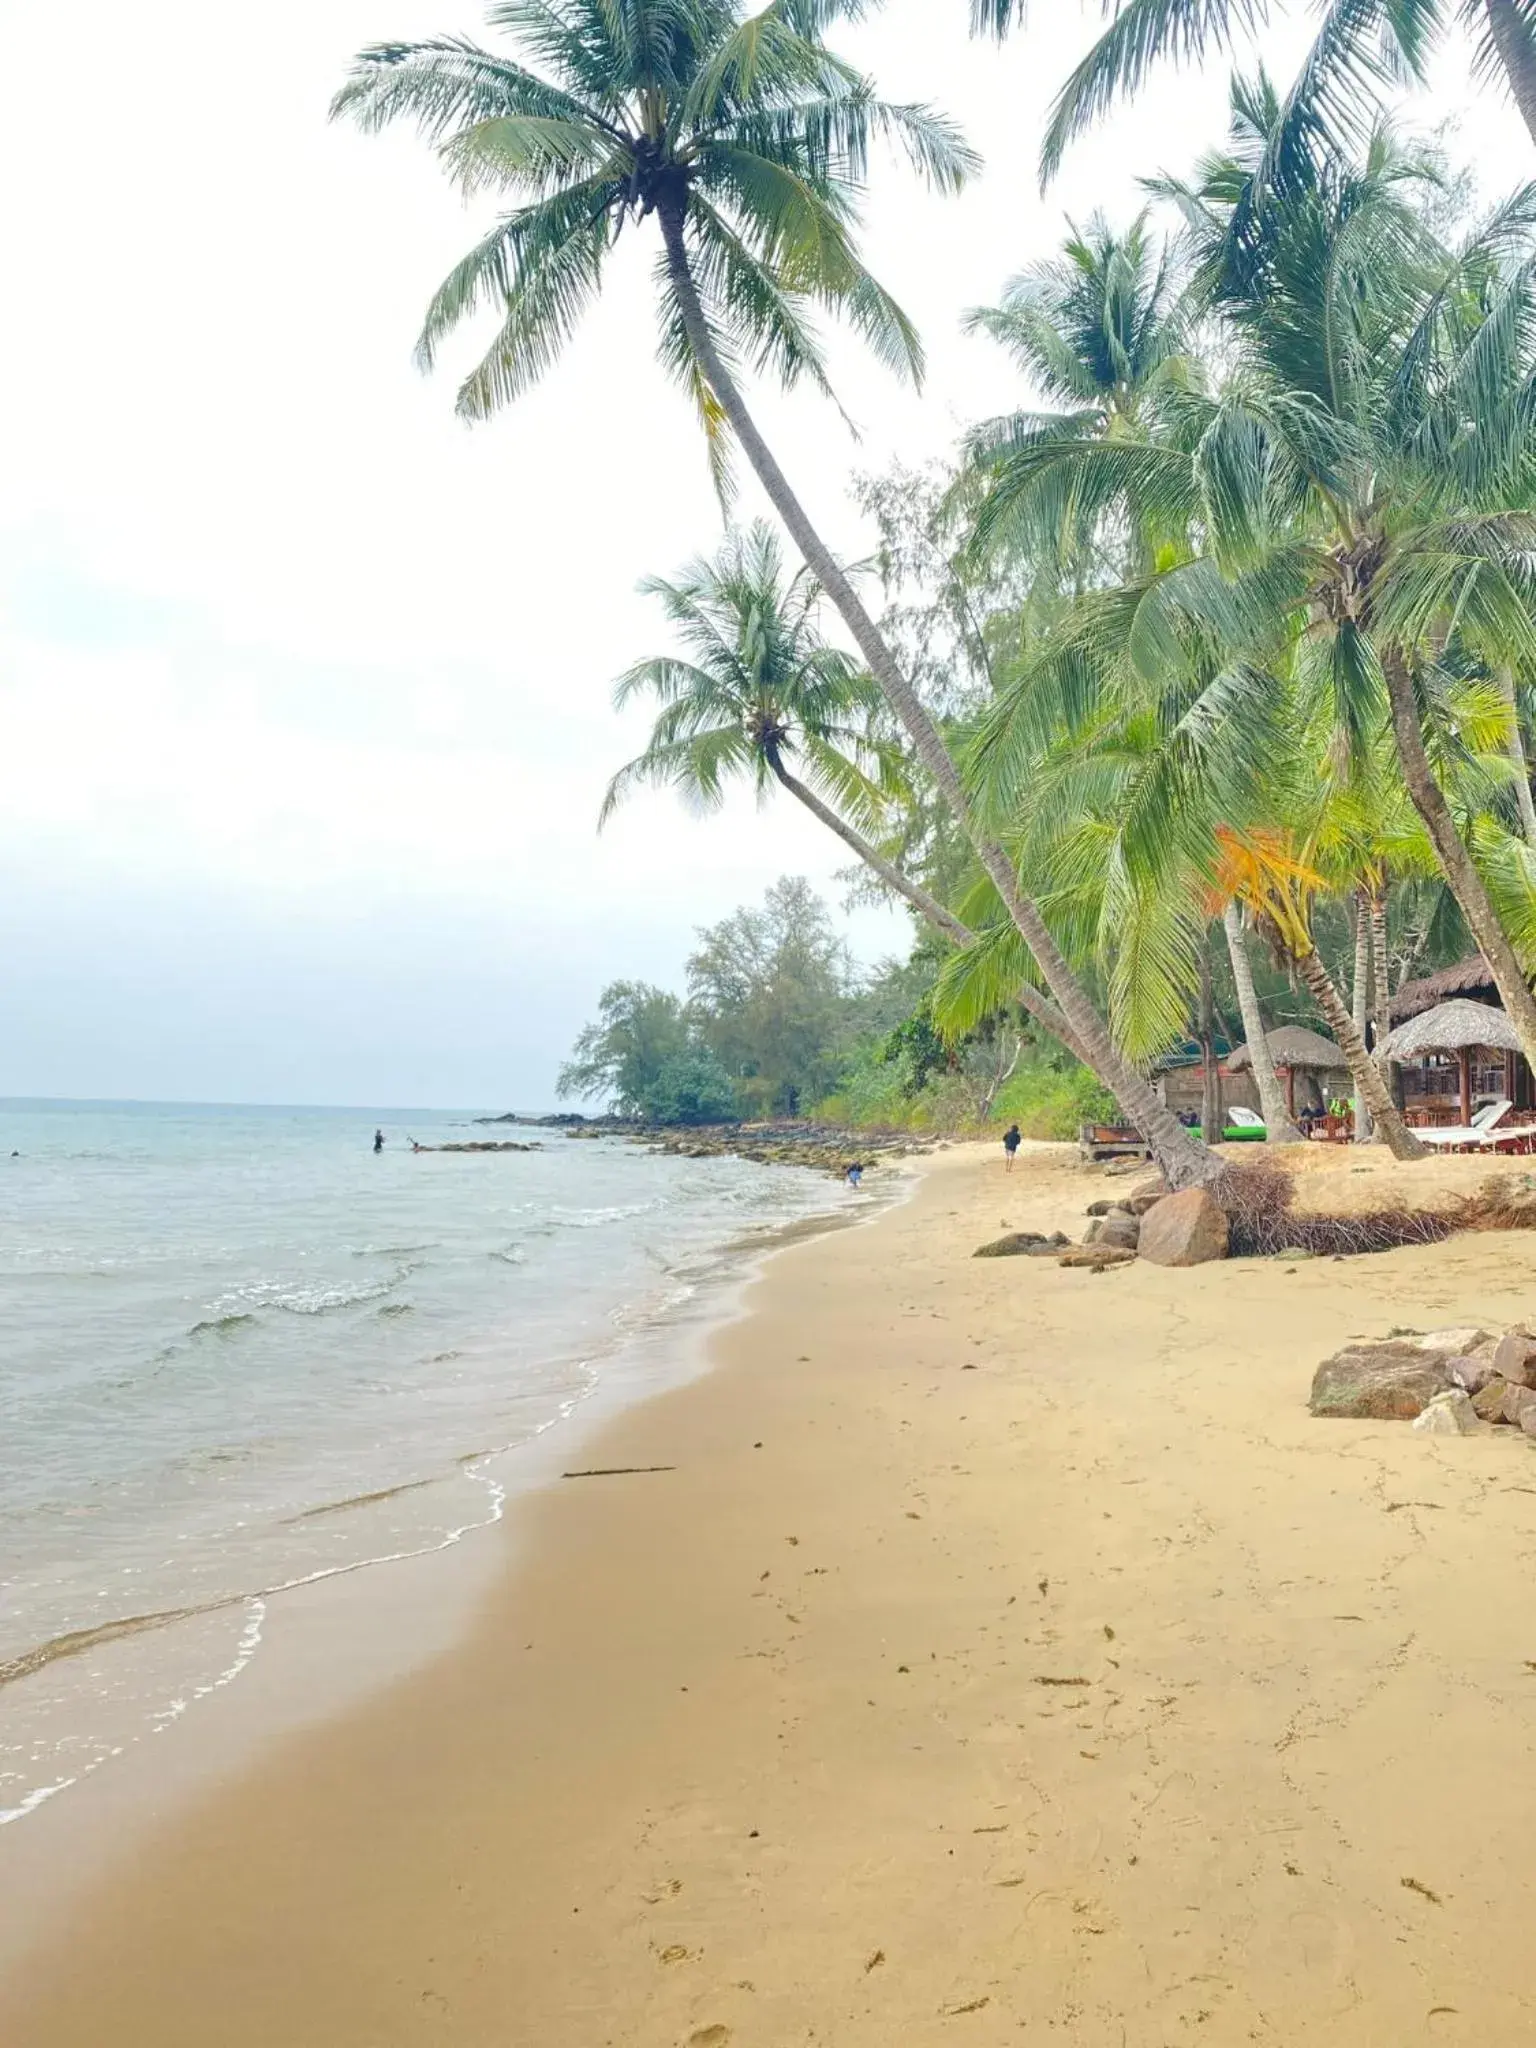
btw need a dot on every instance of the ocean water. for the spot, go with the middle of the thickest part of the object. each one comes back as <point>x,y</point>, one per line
<point>238,1352</point>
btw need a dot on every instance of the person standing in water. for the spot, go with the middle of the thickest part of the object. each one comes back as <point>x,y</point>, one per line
<point>1012,1140</point>
<point>378,1141</point>
<point>855,1173</point>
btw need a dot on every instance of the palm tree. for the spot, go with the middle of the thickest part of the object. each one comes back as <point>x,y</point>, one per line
<point>745,140</point>
<point>1099,334</point>
<point>1361,46</point>
<point>1365,479</point>
<point>761,690</point>
<point>1276,885</point>
<point>1278,1126</point>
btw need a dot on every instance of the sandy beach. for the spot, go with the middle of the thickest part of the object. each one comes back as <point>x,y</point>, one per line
<point>1003,1652</point>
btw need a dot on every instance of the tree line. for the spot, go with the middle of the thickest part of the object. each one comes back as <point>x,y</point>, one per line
<point>1226,631</point>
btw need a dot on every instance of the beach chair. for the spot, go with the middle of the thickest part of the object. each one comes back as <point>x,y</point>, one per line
<point>1472,1137</point>
<point>1513,1138</point>
<point>1244,1125</point>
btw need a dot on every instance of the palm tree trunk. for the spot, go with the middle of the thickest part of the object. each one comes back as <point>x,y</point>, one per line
<point>1523,795</point>
<point>1277,1118</point>
<point>1184,1161</point>
<point>1381,970</point>
<point>1465,882</point>
<point>1517,53</point>
<point>1381,988</point>
<point>1390,1127</point>
<point>1212,1113</point>
<point>927,907</point>
<point>1360,1013</point>
<point>1041,1008</point>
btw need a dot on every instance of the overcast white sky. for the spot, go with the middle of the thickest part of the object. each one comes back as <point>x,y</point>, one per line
<point>304,712</point>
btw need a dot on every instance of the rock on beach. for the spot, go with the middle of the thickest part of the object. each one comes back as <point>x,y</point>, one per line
<point>1391,1381</point>
<point>1186,1229</point>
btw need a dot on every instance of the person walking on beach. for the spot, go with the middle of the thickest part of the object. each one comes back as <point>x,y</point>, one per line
<point>378,1141</point>
<point>1012,1140</point>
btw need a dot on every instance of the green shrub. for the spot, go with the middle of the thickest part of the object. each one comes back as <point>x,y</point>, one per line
<point>1050,1101</point>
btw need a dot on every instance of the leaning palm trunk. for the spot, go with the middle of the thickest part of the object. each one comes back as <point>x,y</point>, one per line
<point>1521,766</point>
<point>927,907</point>
<point>1277,1116</point>
<point>1390,1128</point>
<point>1184,1161</point>
<point>1212,1110</point>
<point>944,922</point>
<point>1450,850</point>
<point>1381,985</point>
<point>1517,53</point>
<point>1360,996</point>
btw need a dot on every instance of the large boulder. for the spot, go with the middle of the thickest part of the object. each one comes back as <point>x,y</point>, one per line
<point>1015,1245</point>
<point>1518,1403</point>
<point>1514,1357</point>
<point>1186,1229</point>
<point>1391,1381</point>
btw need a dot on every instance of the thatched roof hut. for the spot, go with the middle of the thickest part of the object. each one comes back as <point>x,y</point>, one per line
<point>1451,1027</point>
<point>1458,1027</point>
<point>1293,1045</point>
<point>1472,977</point>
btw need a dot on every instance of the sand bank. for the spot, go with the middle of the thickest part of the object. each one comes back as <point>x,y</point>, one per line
<point>1007,1654</point>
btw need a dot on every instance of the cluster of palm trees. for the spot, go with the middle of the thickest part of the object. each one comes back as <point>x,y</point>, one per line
<point>1271,502</point>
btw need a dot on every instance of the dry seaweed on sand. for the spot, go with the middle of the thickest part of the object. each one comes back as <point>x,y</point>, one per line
<point>1262,1220</point>
<point>1505,1201</point>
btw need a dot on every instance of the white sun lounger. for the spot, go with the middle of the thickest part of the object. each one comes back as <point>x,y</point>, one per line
<point>1481,1130</point>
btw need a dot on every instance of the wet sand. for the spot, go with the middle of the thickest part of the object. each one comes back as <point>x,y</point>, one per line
<point>1006,1654</point>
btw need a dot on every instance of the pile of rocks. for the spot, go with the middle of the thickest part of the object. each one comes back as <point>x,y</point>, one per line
<point>1186,1229</point>
<point>1446,1382</point>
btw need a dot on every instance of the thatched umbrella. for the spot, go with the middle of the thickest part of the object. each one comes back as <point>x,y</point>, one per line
<point>1294,1050</point>
<point>1457,1027</point>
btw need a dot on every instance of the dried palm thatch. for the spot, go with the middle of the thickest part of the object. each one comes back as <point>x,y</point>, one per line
<point>1470,977</point>
<point>1451,1027</point>
<point>1293,1045</point>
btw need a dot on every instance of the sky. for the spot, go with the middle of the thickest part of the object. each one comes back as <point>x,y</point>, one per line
<point>305,686</point>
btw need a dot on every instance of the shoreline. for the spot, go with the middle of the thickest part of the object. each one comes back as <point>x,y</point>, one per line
<point>1005,1649</point>
<point>656,1347</point>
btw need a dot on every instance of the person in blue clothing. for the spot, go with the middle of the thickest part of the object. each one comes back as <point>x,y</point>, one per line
<point>1012,1140</point>
<point>855,1173</point>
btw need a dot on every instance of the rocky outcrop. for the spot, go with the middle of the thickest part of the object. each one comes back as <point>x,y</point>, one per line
<point>1391,1381</point>
<point>480,1145</point>
<point>1119,1228</point>
<point>825,1148</point>
<point>1015,1245</point>
<point>1186,1229</point>
<point>1446,1382</point>
<point>1096,1258</point>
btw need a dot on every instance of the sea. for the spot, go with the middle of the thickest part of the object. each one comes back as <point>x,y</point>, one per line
<point>241,1352</point>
